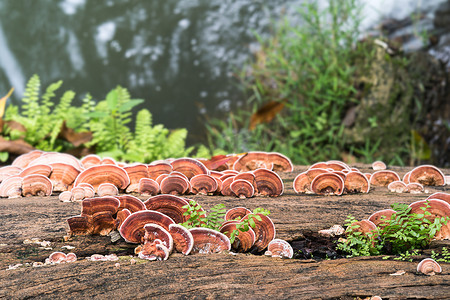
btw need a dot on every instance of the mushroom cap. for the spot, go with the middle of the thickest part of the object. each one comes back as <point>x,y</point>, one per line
<point>414,188</point>
<point>154,251</point>
<point>249,176</point>
<point>280,248</point>
<point>108,161</point>
<point>50,158</point>
<point>133,204</point>
<point>62,176</point>
<point>427,175</point>
<point>226,176</point>
<point>438,208</point>
<point>405,178</point>
<point>8,171</point>
<point>97,175</point>
<point>22,161</point>
<point>36,185</point>
<point>302,184</point>
<point>80,225</point>
<point>169,205</point>
<point>90,160</point>
<point>154,232</point>
<point>237,213</point>
<point>65,196</point>
<point>189,166</point>
<point>103,223</point>
<point>71,257</point>
<point>383,178</point>
<point>264,230</point>
<point>243,241</point>
<point>242,188</point>
<point>209,241</point>
<point>327,184</point>
<point>157,168</point>
<point>57,257</point>
<point>380,217</point>
<point>226,189</point>
<point>441,196</point>
<point>183,240</point>
<point>378,165</point>
<point>336,165</point>
<point>148,187</point>
<point>356,182</point>
<point>88,191</point>
<point>397,186</point>
<point>121,216</point>
<point>135,173</point>
<point>280,162</point>
<point>203,184</point>
<point>363,226</point>
<point>45,170</point>
<point>91,206</point>
<point>429,266</point>
<point>174,184</point>
<point>11,187</point>
<point>268,183</point>
<point>107,189</point>
<point>251,161</point>
<point>160,178</point>
<point>132,229</point>
<point>314,172</point>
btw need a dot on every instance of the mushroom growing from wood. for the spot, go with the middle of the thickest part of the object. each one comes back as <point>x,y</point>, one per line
<point>203,184</point>
<point>183,240</point>
<point>209,241</point>
<point>264,230</point>
<point>279,248</point>
<point>268,183</point>
<point>383,177</point>
<point>36,185</point>
<point>189,167</point>
<point>356,182</point>
<point>243,241</point>
<point>174,184</point>
<point>148,187</point>
<point>97,175</point>
<point>427,175</point>
<point>107,189</point>
<point>327,184</point>
<point>154,232</point>
<point>11,187</point>
<point>437,209</point>
<point>242,188</point>
<point>135,172</point>
<point>169,205</point>
<point>429,267</point>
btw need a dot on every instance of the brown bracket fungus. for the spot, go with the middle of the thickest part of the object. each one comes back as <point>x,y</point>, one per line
<point>157,168</point>
<point>183,240</point>
<point>80,225</point>
<point>169,205</point>
<point>97,175</point>
<point>268,183</point>
<point>132,229</point>
<point>91,206</point>
<point>441,196</point>
<point>327,184</point>
<point>78,193</point>
<point>363,226</point>
<point>226,189</point>
<point>437,209</point>
<point>174,184</point>
<point>356,182</point>
<point>45,170</point>
<point>380,217</point>
<point>378,165</point>
<point>209,241</point>
<point>148,187</point>
<point>103,223</point>
<point>135,172</point>
<point>279,248</point>
<point>236,213</point>
<point>244,241</point>
<point>107,189</point>
<point>131,203</point>
<point>397,186</point>
<point>302,184</point>
<point>414,188</point>
<point>203,184</point>
<point>429,267</point>
<point>154,251</point>
<point>427,175</point>
<point>189,167</point>
<point>90,160</point>
<point>22,161</point>
<point>264,230</point>
<point>11,187</point>
<point>62,176</point>
<point>242,188</point>
<point>36,185</point>
<point>156,232</point>
<point>121,216</point>
<point>383,178</point>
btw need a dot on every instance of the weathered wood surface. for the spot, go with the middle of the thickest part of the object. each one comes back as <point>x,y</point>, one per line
<point>208,276</point>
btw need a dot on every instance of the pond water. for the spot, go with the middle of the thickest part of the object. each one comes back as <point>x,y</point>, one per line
<point>178,55</point>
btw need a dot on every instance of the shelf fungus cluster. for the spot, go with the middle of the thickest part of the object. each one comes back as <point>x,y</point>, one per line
<point>41,173</point>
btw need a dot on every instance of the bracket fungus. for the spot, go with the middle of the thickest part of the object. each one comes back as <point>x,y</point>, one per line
<point>378,165</point>
<point>267,160</point>
<point>226,189</point>
<point>154,232</point>
<point>154,251</point>
<point>209,241</point>
<point>90,160</point>
<point>302,184</point>
<point>78,193</point>
<point>174,184</point>
<point>49,158</point>
<point>8,171</point>
<point>244,241</point>
<point>327,184</point>
<point>135,172</point>
<point>107,189</point>
<point>183,241</point>
<point>236,213</point>
<point>45,170</point>
<point>65,196</point>
<point>264,230</point>
<point>383,178</point>
<point>22,161</point>
<point>132,229</point>
<point>414,188</point>
<point>429,266</point>
<point>121,216</point>
<point>60,257</point>
<point>397,186</point>
<point>157,168</point>
<point>148,187</point>
<point>169,205</point>
<point>11,187</point>
<point>441,196</point>
<point>356,182</point>
<point>63,175</point>
<point>97,175</point>
<point>189,166</point>
<point>279,248</point>
<point>203,184</point>
<point>427,175</point>
<point>88,190</point>
<point>131,203</point>
<point>91,206</point>
<point>363,226</point>
<point>268,183</point>
<point>380,217</point>
<point>242,188</point>
<point>36,185</point>
<point>437,209</point>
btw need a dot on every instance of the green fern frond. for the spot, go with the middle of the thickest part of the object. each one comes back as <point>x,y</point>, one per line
<point>47,97</point>
<point>31,97</point>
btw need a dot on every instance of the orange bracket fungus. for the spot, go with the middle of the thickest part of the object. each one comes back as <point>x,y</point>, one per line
<point>88,190</point>
<point>49,158</point>
<point>363,226</point>
<point>438,209</point>
<point>383,178</point>
<point>154,251</point>
<point>63,175</point>
<point>78,193</point>
<point>36,185</point>
<point>279,248</point>
<point>397,186</point>
<point>302,184</point>
<point>268,183</point>
<point>154,232</point>
<point>429,267</point>
<point>226,189</point>
<point>427,175</point>
<point>381,217</point>
<point>60,257</point>
<point>148,187</point>
<point>131,203</point>
<point>242,188</point>
<point>135,172</point>
<point>236,213</point>
<point>203,184</point>
<point>22,161</point>
<point>174,184</point>
<point>183,240</point>
<point>327,184</point>
<point>132,229</point>
<point>264,230</point>
<point>45,170</point>
<point>107,189</point>
<point>441,196</point>
<point>356,182</point>
<point>158,168</point>
<point>414,188</point>
<point>169,205</point>
<point>97,175</point>
<point>243,241</point>
<point>378,165</point>
<point>90,160</point>
<point>189,166</point>
<point>11,187</point>
<point>209,241</point>
<point>8,171</point>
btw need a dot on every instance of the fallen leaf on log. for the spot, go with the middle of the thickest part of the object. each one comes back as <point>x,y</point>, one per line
<point>75,138</point>
<point>17,147</point>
